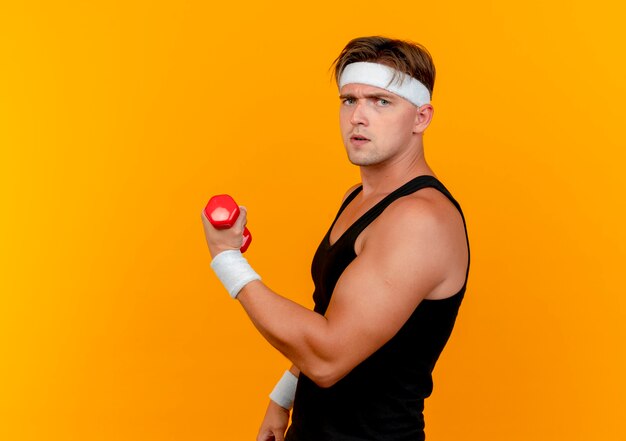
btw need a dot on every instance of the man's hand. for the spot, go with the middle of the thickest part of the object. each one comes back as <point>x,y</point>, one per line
<point>227,239</point>
<point>274,424</point>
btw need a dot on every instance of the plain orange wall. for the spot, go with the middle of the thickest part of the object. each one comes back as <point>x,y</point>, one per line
<point>118,120</point>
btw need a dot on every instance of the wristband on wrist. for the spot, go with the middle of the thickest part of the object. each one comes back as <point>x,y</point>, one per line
<point>285,390</point>
<point>233,270</point>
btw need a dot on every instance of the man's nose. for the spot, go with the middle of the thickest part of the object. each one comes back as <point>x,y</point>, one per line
<point>358,115</point>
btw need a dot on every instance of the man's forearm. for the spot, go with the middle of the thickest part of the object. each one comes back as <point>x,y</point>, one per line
<point>298,333</point>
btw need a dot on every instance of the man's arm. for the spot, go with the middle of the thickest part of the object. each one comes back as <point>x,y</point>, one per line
<point>405,256</point>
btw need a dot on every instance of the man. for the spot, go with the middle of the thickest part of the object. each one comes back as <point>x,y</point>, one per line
<point>389,275</point>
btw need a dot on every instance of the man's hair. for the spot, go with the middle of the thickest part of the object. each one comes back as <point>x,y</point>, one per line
<point>405,56</point>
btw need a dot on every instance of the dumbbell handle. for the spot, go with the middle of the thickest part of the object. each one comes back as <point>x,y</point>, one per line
<point>222,211</point>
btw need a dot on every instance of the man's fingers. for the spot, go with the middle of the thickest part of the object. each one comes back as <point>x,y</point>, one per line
<point>243,214</point>
<point>242,220</point>
<point>271,434</point>
<point>267,435</point>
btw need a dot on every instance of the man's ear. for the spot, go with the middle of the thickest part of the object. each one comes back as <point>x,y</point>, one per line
<point>423,117</point>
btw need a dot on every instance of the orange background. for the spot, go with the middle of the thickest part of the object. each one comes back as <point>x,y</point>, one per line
<point>118,121</point>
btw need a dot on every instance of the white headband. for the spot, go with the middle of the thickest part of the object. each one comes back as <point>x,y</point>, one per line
<point>379,75</point>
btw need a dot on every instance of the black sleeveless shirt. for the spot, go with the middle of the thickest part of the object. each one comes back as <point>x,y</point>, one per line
<point>381,399</point>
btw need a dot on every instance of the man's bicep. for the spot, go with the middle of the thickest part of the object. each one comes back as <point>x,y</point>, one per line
<point>379,291</point>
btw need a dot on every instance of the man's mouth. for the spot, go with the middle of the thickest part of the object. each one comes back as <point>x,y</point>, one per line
<point>359,138</point>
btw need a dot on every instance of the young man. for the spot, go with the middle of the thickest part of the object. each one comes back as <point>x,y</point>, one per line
<point>389,275</point>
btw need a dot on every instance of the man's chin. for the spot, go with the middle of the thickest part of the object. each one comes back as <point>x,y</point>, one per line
<point>362,162</point>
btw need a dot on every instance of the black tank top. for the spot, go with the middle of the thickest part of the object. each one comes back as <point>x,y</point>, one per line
<point>381,399</point>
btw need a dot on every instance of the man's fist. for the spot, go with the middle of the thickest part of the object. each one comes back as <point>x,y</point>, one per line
<point>231,238</point>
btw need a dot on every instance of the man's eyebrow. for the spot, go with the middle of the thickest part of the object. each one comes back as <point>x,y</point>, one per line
<point>369,96</point>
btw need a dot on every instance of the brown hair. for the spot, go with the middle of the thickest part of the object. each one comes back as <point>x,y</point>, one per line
<point>405,56</point>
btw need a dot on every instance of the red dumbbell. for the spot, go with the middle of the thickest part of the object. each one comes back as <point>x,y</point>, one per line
<point>222,211</point>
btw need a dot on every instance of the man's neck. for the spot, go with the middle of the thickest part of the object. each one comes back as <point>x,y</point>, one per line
<point>382,179</point>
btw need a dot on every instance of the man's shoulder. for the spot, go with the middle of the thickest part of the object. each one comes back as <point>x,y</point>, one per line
<point>425,212</point>
<point>427,203</point>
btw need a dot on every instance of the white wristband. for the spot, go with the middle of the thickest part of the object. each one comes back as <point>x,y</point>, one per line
<point>285,390</point>
<point>233,270</point>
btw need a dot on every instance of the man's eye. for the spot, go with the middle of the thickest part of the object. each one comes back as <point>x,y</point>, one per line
<point>384,102</point>
<point>348,101</point>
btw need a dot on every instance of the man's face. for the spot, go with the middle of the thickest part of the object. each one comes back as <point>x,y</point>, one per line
<point>376,125</point>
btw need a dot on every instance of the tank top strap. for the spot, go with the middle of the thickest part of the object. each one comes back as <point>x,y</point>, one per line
<point>346,201</point>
